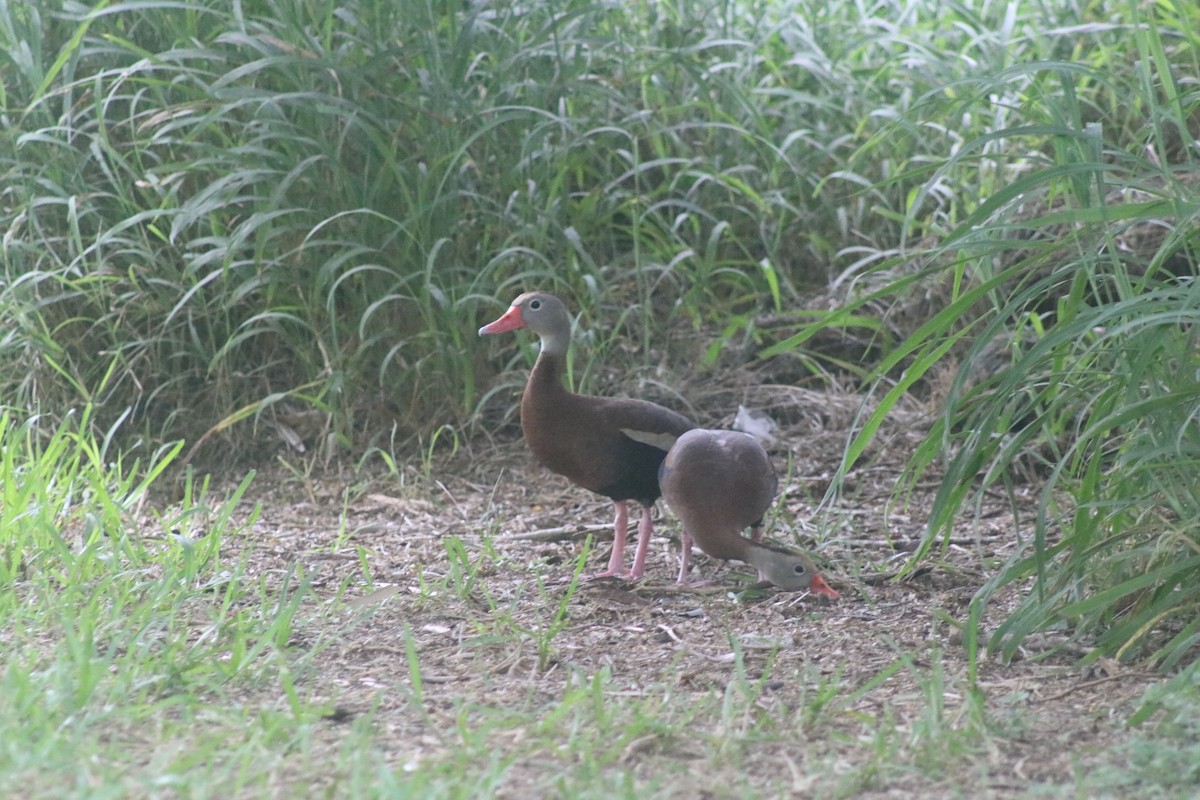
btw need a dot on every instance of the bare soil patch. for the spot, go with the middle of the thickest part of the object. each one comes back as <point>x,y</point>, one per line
<point>720,691</point>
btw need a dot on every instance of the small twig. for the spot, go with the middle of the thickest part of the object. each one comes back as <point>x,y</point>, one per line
<point>1089,684</point>
<point>878,578</point>
<point>555,534</point>
<point>670,633</point>
<point>659,588</point>
<point>638,744</point>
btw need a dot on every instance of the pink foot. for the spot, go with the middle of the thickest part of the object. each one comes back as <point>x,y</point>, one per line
<point>694,584</point>
<point>616,562</point>
<point>619,572</point>
<point>645,530</point>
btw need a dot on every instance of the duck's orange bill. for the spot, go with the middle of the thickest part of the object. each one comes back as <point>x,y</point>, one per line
<point>819,586</point>
<point>510,321</point>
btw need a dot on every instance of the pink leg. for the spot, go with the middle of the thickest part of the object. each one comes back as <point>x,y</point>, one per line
<point>616,562</point>
<point>685,563</point>
<point>685,556</point>
<point>756,534</point>
<point>645,529</point>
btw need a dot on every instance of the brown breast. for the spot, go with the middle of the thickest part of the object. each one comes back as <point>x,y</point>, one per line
<point>718,483</point>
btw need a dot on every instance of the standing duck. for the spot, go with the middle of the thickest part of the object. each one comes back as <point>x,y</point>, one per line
<point>718,483</point>
<point>611,446</point>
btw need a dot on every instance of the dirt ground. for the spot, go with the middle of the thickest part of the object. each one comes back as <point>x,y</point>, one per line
<point>888,654</point>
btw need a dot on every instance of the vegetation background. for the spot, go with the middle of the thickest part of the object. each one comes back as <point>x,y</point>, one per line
<point>228,222</point>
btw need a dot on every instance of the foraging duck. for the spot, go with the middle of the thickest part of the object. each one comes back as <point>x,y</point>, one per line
<point>611,446</point>
<point>718,483</point>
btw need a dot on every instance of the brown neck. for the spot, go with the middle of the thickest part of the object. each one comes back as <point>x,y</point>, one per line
<point>547,376</point>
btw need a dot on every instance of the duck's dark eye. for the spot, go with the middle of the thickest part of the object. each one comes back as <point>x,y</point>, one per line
<point>799,569</point>
<point>535,304</point>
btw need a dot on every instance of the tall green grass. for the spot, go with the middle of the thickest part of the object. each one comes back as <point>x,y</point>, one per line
<point>306,204</point>
<point>1066,289</point>
<point>287,205</point>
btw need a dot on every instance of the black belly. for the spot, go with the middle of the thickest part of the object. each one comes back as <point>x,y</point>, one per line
<point>637,478</point>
